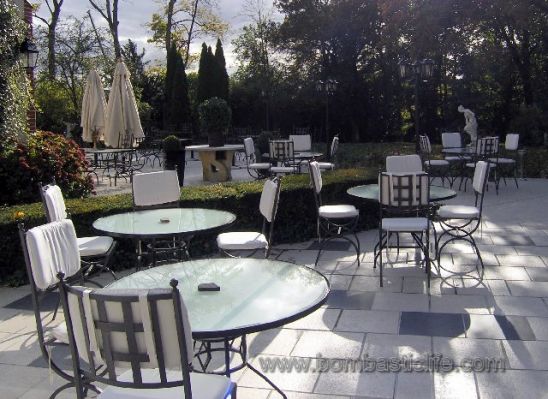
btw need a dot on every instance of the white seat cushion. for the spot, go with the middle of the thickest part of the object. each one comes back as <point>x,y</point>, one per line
<point>94,246</point>
<point>458,159</point>
<point>264,165</point>
<point>283,169</point>
<point>473,165</point>
<point>204,386</point>
<point>338,211</point>
<point>241,240</point>
<point>326,165</point>
<point>437,162</point>
<point>502,160</point>
<point>405,224</point>
<point>458,212</point>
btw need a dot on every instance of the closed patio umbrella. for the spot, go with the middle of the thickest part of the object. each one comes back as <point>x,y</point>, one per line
<point>93,109</point>
<point>122,115</point>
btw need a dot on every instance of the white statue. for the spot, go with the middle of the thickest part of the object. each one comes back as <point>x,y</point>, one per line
<point>471,126</point>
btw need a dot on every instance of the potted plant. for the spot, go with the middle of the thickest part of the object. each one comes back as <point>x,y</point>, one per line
<point>215,116</point>
<point>175,155</point>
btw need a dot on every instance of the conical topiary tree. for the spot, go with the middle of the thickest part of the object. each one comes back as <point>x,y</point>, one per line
<point>177,107</point>
<point>221,77</point>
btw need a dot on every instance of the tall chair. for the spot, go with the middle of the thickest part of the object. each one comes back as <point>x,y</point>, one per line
<point>404,164</point>
<point>95,251</point>
<point>487,149</point>
<point>257,170</point>
<point>434,167</point>
<point>507,165</point>
<point>333,221</point>
<point>332,153</point>
<point>137,343</point>
<point>48,250</point>
<point>404,205</point>
<point>282,156</point>
<point>158,190</point>
<point>459,222</point>
<point>301,142</point>
<point>251,240</point>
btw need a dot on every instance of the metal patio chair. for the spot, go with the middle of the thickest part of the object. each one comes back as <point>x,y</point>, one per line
<point>507,165</point>
<point>487,149</point>
<point>48,250</point>
<point>460,222</point>
<point>138,343</point>
<point>282,157</point>
<point>158,190</point>
<point>404,164</point>
<point>257,170</point>
<point>330,164</point>
<point>95,251</point>
<point>332,221</point>
<point>301,142</point>
<point>434,167</point>
<point>250,240</point>
<point>404,206</point>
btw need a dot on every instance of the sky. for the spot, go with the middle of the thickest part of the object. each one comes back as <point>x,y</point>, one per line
<point>134,14</point>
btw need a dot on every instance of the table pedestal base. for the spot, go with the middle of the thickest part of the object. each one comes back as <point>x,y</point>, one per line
<point>216,165</point>
<point>206,349</point>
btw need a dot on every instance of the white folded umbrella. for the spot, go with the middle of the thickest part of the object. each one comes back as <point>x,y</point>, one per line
<point>93,109</point>
<point>122,113</point>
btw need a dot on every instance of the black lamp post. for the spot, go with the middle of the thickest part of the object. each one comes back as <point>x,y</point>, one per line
<point>29,54</point>
<point>416,72</point>
<point>329,87</point>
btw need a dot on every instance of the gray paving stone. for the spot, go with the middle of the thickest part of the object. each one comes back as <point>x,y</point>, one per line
<point>476,304</point>
<point>372,284</point>
<point>506,273</point>
<point>536,251</point>
<point>368,321</point>
<point>339,281</point>
<point>527,355</point>
<point>273,342</point>
<point>329,344</point>
<point>321,319</point>
<point>411,348</point>
<point>455,385</point>
<point>539,325</point>
<point>461,350</point>
<point>528,288</point>
<point>400,302</point>
<point>520,260</point>
<point>374,384</point>
<point>513,384</point>
<point>538,273</point>
<point>519,306</point>
<point>415,385</point>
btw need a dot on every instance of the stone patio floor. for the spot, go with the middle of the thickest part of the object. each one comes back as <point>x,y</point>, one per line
<point>502,316</point>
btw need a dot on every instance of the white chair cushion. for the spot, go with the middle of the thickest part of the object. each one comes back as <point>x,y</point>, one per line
<point>52,249</point>
<point>204,386</point>
<point>94,246</point>
<point>264,165</point>
<point>403,163</point>
<point>55,203</point>
<point>338,211</point>
<point>450,140</point>
<point>437,162</point>
<point>405,224</point>
<point>473,165</point>
<point>241,240</point>
<point>458,159</point>
<point>283,169</point>
<point>316,176</point>
<point>458,212</point>
<point>301,142</point>
<point>268,200</point>
<point>502,160</point>
<point>156,188</point>
<point>326,165</point>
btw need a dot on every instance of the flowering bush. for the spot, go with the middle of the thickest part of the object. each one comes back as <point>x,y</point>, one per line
<point>44,157</point>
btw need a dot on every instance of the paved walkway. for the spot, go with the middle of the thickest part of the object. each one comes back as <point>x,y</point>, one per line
<point>503,316</point>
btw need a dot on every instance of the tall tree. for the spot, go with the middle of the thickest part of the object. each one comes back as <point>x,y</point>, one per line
<point>109,12</point>
<point>222,84</point>
<point>54,8</point>
<point>178,105</point>
<point>206,75</point>
<point>183,21</point>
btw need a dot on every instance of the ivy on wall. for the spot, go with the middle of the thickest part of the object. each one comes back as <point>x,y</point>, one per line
<point>14,93</point>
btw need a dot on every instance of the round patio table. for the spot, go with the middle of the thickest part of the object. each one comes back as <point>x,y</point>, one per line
<point>255,295</point>
<point>371,192</point>
<point>153,224</point>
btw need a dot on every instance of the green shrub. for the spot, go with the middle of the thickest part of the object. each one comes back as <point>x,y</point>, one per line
<point>45,156</point>
<point>295,220</point>
<point>215,115</point>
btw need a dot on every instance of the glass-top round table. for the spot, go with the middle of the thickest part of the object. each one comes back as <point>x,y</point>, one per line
<point>371,192</point>
<point>255,294</point>
<point>168,222</point>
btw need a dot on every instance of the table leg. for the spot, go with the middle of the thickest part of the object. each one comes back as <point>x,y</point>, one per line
<point>216,165</point>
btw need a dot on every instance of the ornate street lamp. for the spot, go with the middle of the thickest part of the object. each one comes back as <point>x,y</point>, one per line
<point>329,87</point>
<point>29,54</point>
<point>420,70</point>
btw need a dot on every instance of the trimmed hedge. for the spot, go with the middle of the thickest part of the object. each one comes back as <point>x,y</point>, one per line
<point>295,220</point>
